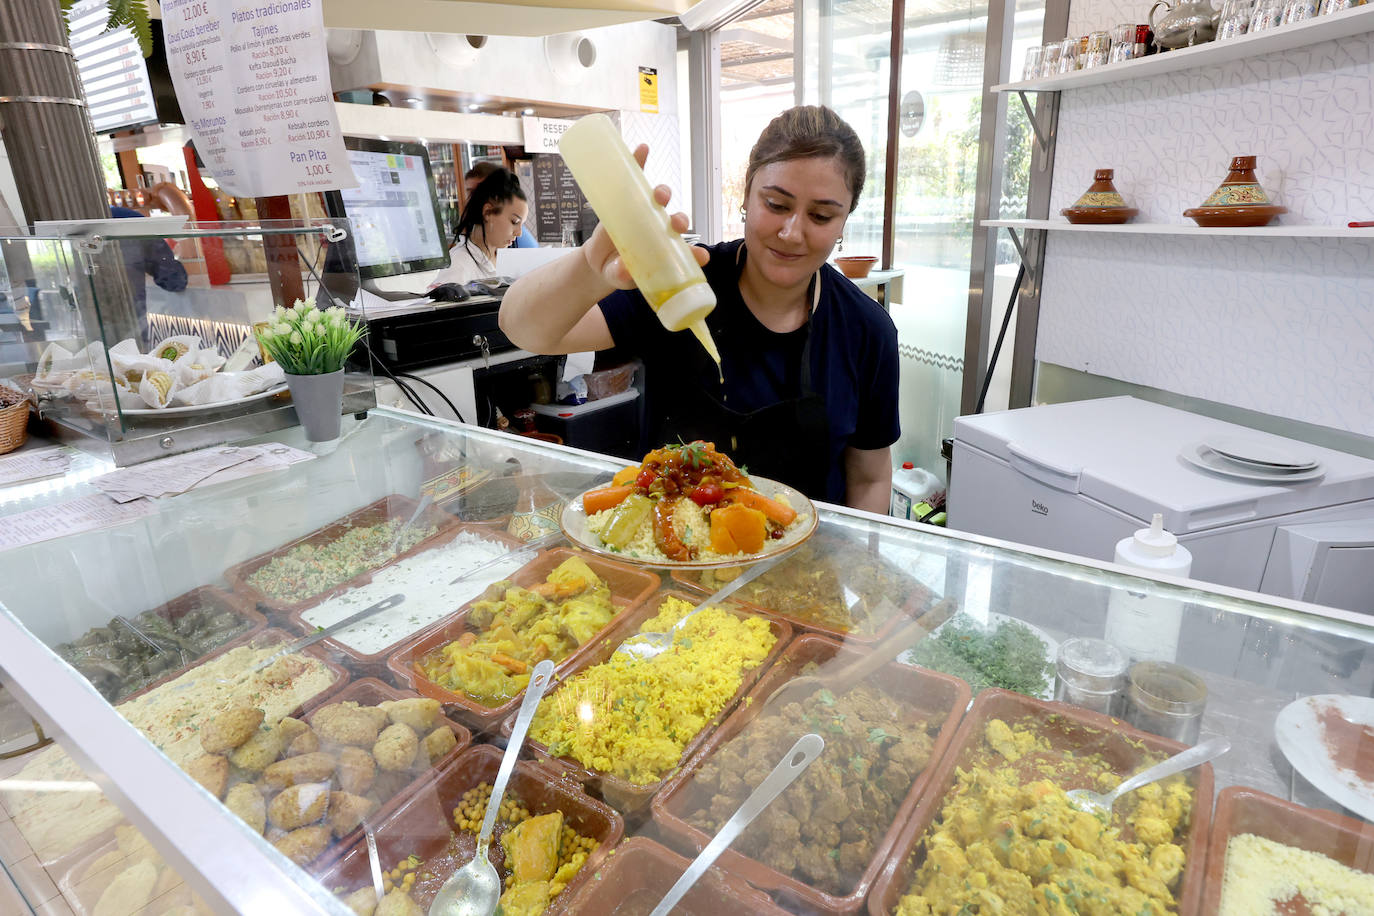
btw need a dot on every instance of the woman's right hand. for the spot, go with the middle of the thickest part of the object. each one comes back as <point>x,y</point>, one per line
<point>601,253</point>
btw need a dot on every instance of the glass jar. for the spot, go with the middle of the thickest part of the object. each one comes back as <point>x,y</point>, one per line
<point>1166,699</point>
<point>1090,673</point>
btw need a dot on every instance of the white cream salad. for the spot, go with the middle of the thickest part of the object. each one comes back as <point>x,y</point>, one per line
<point>425,580</point>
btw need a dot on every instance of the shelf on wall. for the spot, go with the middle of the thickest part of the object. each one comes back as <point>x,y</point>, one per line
<point>1315,232</point>
<point>1354,21</point>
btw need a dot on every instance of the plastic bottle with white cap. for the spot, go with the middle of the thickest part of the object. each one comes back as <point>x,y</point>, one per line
<point>1142,625</point>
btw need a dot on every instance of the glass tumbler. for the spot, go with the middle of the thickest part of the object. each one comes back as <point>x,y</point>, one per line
<point>1049,59</point>
<point>1335,6</point>
<point>1299,10</point>
<point>1235,19</point>
<point>1099,49</point>
<point>1068,55</point>
<point>1123,43</point>
<point>1032,67</point>
<point>1268,14</point>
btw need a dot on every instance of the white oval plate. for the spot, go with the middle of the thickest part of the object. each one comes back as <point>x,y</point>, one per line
<point>574,522</point>
<point>1251,451</point>
<point>1205,458</point>
<point>1301,737</point>
<point>189,408</point>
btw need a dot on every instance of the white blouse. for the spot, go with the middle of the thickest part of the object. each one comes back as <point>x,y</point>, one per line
<point>467,263</point>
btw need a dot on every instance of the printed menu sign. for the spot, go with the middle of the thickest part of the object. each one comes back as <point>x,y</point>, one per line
<point>558,202</point>
<point>252,77</point>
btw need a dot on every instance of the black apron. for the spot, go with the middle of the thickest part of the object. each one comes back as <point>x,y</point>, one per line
<point>788,441</point>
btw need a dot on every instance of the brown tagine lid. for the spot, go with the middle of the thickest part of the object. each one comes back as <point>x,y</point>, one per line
<point>1101,204</point>
<point>1238,201</point>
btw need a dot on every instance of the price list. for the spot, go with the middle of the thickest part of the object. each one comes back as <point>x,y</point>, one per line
<point>252,78</point>
<point>559,203</point>
<point>112,71</point>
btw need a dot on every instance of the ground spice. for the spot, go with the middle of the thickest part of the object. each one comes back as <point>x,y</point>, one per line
<point>1350,744</point>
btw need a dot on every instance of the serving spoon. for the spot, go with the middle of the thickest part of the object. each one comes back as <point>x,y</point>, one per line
<point>792,765</point>
<point>1101,804</point>
<point>475,889</point>
<point>648,645</point>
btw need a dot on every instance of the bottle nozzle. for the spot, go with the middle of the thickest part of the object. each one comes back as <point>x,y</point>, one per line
<point>1154,540</point>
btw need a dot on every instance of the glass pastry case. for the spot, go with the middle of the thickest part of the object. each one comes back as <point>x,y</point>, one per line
<point>138,334</point>
<point>206,762</point>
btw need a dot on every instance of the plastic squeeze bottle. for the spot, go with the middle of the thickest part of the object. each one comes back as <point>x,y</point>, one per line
<point>660,262</point>
<point>1147,626</point>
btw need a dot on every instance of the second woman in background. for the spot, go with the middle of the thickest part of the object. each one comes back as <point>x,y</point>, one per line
<point>491,220</point>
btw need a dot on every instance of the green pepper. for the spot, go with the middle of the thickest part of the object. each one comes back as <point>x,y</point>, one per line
<point>626,520</point>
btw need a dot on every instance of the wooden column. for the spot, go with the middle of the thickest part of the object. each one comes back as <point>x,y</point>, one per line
<point>283,260</point>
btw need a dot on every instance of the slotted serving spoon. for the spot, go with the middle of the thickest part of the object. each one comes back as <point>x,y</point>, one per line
<point>839,680</point>
<point>475,889</point>
<point>1101,804</point>
<point>792,765</point>
<point>648,645</point>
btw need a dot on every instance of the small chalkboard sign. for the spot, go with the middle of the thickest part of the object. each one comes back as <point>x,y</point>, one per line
<point>558,200</point>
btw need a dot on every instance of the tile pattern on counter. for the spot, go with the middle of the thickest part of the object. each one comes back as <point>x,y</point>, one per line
<point>1284,327</point>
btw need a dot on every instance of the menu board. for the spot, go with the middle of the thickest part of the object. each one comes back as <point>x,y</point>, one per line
<point>113,74</point>
<point>252,78</point>
<point>559,201</point>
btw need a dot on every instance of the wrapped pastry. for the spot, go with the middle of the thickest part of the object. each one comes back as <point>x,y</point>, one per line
<point>157,388</point>
<point>221,387</point>
<point>54,366</point>
<point>174,348</point>
<point>197,366</point>
<point>132,368</point>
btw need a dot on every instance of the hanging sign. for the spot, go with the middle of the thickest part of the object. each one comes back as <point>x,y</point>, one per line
<point>252,77</point>
<point>648,89</point>
<point>542,134</point>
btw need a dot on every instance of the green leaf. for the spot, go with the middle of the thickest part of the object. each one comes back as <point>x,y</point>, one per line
<point>826,697</point>
<point>876,735</point>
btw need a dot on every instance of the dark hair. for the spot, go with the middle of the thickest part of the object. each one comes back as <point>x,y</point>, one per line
<point>480,170</point>
<point>498,188</point>
<point>807,132</point>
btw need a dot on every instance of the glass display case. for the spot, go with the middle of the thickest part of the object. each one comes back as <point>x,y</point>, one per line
<point>964,686</point>
<point>137,337</point>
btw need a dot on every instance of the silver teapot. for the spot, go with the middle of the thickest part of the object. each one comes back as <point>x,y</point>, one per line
<point>1190,22</point>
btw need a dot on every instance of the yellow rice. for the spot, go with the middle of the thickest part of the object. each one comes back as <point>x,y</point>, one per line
<point>634,717</point>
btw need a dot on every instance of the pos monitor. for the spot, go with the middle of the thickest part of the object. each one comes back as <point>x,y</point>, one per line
<point>394,210</point>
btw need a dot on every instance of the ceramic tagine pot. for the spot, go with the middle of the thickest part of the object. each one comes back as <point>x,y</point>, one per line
<point>1100,204</point>
<point>1238,201</point>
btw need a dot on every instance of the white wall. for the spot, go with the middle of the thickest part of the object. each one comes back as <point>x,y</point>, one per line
<point>1280,326</point>
<point>9,194</point>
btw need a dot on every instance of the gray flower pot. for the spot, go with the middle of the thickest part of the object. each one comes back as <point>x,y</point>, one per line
<point>319,403</point>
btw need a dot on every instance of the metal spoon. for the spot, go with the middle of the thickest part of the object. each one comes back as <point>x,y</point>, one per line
<point>400,532</point>
<point>792,765</point>
<point>374,862</point>
<point>1101,805</point>
<point>648,645</point>
<point>475,889</point>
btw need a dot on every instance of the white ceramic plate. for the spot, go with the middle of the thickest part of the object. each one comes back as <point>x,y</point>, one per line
<point>994,620</point>
<point>190,408</point>
<point>1302,739</point>
<point>1254,452</point>
<point>1200,455</point>
<point>574,522</point>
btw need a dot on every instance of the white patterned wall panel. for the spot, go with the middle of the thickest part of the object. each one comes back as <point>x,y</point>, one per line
<point>1283,326</point>
<point>1103,14</point>
<point>660,131</point>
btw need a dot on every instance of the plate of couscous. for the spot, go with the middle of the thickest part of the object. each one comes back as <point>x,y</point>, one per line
<point>689,506</point>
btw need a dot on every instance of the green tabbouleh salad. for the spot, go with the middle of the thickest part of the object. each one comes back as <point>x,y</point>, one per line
<point>308,570</point>
<point>1008,655</point>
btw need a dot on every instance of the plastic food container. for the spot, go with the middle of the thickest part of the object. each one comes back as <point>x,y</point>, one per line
<point>1067,728</point>
<point>1241,810</point>
<point>629,587</point>
<point>613,380</point>
<point>940,699</point>
<point>396,507</point>
<point>912,601</point>
<point>422,824</point>
<point>374,664</point>
<point>634,879</point>
<point>630,797</point>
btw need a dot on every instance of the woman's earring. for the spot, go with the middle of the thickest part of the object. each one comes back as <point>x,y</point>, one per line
<point>743,214</point>
<point>839,244</point>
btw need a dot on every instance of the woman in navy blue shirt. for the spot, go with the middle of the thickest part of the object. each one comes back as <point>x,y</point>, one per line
<point>810,362</point>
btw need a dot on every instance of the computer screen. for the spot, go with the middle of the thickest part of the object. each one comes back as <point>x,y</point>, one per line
<point>394,210</point>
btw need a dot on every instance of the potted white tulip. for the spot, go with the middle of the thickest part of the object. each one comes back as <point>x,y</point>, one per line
<point>311,347</point>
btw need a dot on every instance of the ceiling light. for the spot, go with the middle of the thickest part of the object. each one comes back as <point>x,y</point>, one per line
<point>474,107</point>
<point>413,100</point>
<point>529,111</point>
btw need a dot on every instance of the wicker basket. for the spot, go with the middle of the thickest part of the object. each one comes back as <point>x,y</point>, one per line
<point>14,419</point>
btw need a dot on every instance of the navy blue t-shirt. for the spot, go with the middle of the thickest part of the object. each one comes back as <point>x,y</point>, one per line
<point>853,361</point>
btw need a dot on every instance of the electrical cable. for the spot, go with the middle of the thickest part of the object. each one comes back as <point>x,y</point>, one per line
<point>428,384</point>
<point>1001,336</point>
<point>402,386</point>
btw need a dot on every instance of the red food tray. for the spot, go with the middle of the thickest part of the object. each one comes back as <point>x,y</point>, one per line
<point>938,699</point>
<point>1067,728</point>
<point>629,587</point>
<point>629,797</point>
<point>634,879</point>
<point>1241,810</point>
<point>396,507</point>
<point>422,824</point>
<point>915,601</point>
<point>374,664</point>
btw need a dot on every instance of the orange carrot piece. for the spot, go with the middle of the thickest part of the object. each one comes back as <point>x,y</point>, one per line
<point>782,514</point>
<point>594,501</point>
<point>513,665</point>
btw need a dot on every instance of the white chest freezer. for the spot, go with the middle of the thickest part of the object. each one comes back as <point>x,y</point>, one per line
<point>1078,477</point>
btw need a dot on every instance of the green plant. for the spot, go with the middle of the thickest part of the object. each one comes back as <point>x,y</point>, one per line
<point>132,13</point>
<point>307,341</point>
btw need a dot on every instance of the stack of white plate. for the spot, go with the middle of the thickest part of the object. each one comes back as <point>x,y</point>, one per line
<point>1255,460</point>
